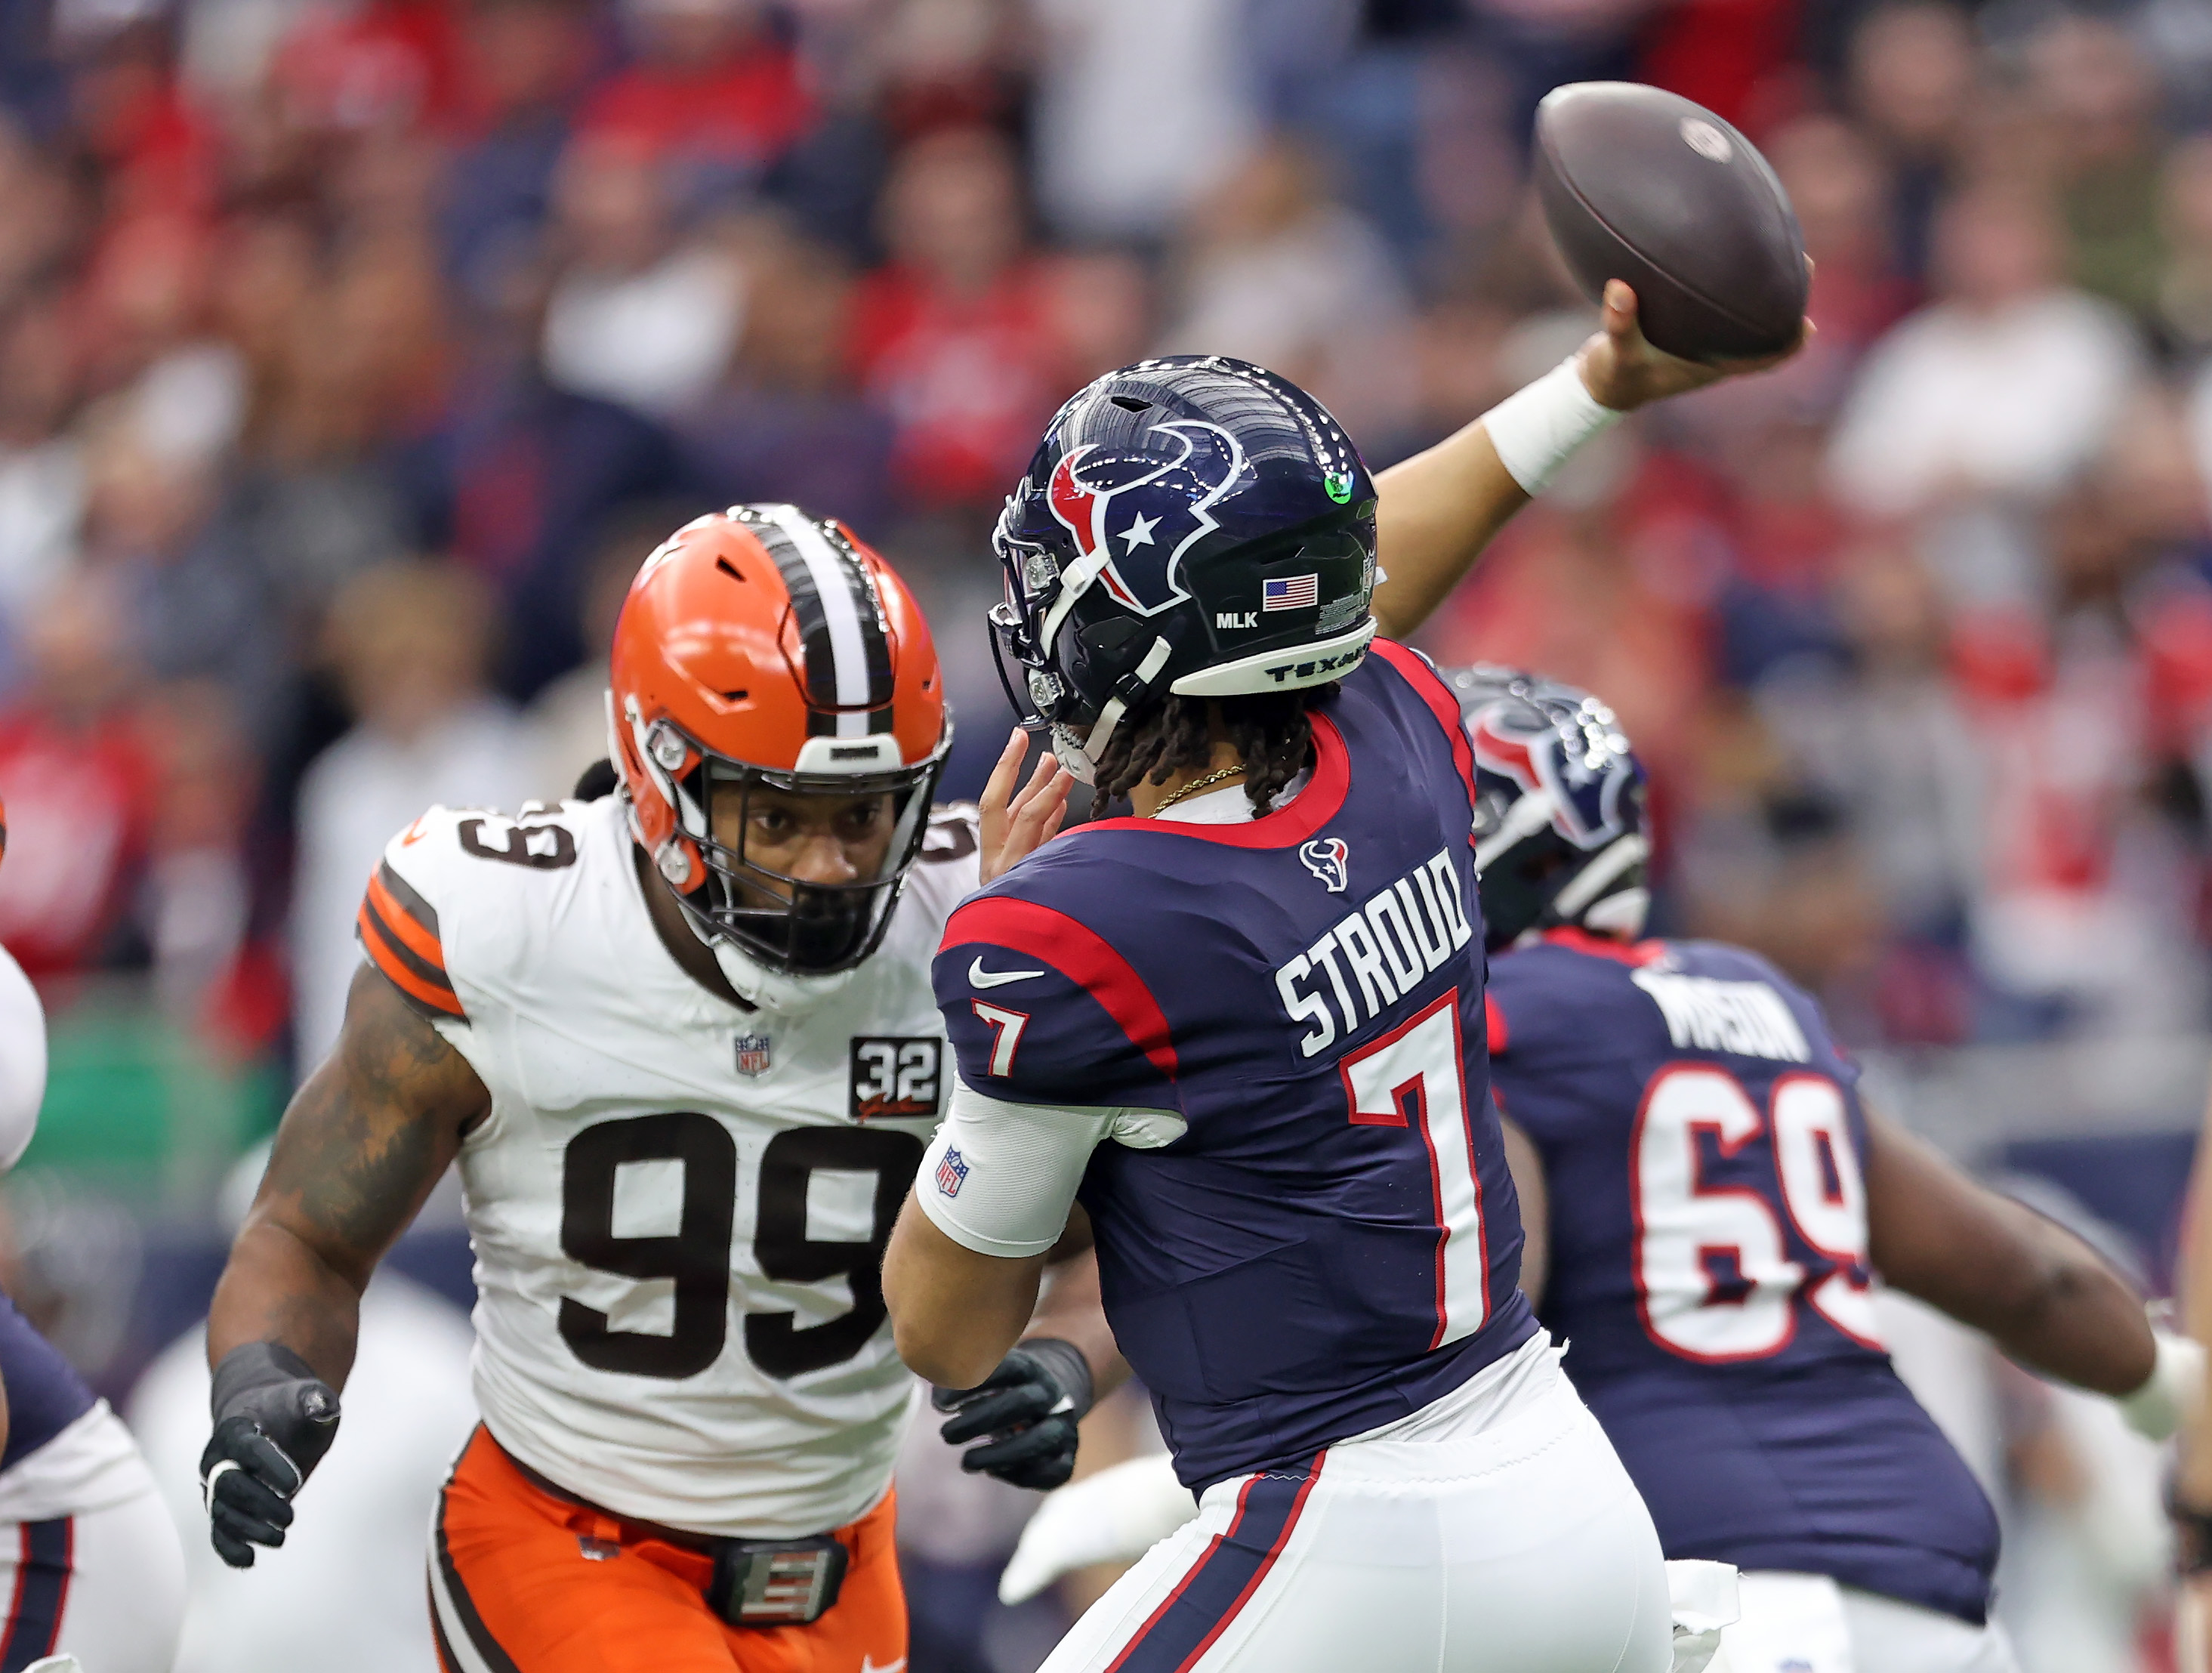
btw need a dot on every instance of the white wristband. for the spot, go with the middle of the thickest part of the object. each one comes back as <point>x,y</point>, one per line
<point>2171,1393</point>
<point>1536,430</point>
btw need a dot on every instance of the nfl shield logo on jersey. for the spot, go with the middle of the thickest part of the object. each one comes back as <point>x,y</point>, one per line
<point>951,1172</point>
<point>752,1054</point>
<point>1330,861</point>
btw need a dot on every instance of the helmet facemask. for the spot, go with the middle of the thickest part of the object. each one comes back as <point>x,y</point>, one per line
<point>746,894</point>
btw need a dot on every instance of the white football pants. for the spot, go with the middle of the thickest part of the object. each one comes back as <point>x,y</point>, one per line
<point>105,1586</point>
<point>1807,1623</point>
<point>1522,1547</point>
<point>90,1564</point>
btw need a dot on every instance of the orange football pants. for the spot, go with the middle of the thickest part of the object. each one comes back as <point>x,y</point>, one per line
<point>525,1581</point>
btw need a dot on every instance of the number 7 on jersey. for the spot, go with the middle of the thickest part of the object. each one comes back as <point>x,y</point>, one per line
<point>1415,1077</point>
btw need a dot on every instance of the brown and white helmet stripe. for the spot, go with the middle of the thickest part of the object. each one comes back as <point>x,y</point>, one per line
<point>840,618</point>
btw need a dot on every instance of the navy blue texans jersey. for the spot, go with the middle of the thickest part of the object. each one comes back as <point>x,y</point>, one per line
<point>45,1394</point>
<point>1333,1243</point>
<point>1703,1143</point>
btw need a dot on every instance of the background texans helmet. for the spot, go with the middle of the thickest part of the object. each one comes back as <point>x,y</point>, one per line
<point>1191,524</point>
<point>1558,819</point>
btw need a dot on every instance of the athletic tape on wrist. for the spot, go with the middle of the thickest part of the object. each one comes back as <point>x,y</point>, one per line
<point>1537,430</point>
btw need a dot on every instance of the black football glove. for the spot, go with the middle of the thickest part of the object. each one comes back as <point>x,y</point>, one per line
<point>1025,1412</point>
<point>274,1420</point>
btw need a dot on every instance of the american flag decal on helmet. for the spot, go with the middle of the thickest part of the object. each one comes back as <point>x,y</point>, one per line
<point>1291,593</point>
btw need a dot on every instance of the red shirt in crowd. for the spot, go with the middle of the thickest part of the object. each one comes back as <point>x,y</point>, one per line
<point>80,808</point>
<point>744,111</point>
<point>967,382</point>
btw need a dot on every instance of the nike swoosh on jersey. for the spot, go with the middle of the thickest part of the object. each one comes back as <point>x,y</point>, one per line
<point>868,1666</point>
<point>980,977</point>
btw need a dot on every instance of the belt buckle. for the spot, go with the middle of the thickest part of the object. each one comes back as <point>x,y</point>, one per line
<point>776,1583</point>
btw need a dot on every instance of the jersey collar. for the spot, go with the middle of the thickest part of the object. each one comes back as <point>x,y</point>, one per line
<point>1289,824</point>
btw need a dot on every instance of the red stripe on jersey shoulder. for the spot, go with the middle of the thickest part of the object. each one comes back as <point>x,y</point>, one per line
<point>1078,952</point>
<point>1494,1021</point>
<point>1576,939</point>
<point>1308,811</point>
<point>1413,668</point>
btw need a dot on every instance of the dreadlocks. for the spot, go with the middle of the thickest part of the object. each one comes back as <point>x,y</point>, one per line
<point>1272,733</point>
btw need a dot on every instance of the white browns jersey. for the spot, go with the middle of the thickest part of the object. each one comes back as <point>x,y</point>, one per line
<point>677,1208</point>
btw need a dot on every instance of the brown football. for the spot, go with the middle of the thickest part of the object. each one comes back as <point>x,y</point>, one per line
<point>1643,186</point>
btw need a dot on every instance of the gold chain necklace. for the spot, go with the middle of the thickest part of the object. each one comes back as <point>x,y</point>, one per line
<point>1197,785</point>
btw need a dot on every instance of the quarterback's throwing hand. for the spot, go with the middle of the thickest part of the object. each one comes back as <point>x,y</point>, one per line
<point>274,1420</point>
<point>1025,1412</point>
<point>1623,371</point>
<point>1014,826</point>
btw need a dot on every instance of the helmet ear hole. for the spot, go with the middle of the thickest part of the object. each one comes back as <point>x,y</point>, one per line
<point>1109,648</point>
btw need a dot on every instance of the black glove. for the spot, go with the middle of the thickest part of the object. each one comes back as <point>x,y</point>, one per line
<point>274,1420</point>
<point>1025,1412</point>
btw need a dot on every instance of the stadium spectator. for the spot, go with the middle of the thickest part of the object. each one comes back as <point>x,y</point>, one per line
<point>2095,82</point>
<point>1274,271</point>
<point>2185,281</point>
<point>1912,76</point>
<point>410,643</point>
<point>1841,189</point>
<point>525,64</point>
<point>954,340</point>
<point>41,462</point>
<point>1100,176</point>
<point>2003,386</point>
<point>712,95</point>
<point>79,785</point>
<point>642,314</point>
<point>569,719</point>
<point>787,424</point>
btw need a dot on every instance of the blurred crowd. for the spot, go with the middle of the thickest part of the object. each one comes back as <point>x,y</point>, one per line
<point>354,352</point>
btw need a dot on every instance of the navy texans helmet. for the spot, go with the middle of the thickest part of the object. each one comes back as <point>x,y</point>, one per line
<point>1558,815</point>
<point>1191,524</point>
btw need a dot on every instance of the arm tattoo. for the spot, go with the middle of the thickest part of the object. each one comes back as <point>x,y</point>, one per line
<point>361,1147</point>
<point>367,1136</point>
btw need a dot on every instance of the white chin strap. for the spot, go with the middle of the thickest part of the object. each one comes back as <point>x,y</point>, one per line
<point>1620,914</point>
<point>1081,756</point>
<point>1523,820</point>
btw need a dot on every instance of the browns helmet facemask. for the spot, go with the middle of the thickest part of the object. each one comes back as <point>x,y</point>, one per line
<point>761,647</point>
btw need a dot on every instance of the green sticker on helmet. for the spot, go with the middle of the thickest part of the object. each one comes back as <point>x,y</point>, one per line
<point>1338,484</point>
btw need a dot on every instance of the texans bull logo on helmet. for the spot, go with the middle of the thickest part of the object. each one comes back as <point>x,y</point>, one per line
<point>1582,761</point>
<point>1142,516</point>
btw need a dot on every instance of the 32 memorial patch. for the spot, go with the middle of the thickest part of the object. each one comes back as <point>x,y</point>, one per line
<point>896,1075</point>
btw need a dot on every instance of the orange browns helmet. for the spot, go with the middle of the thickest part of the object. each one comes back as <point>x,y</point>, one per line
<point>761,647</point>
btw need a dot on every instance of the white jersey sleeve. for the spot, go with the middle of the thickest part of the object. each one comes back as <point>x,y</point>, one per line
<point>22,1061</point>
<point>1000,1178</point>
<point>440,918</point>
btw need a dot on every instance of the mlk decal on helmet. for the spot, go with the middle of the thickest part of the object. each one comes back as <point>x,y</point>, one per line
<point>1190,524</point>
<point>1558,819</point>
